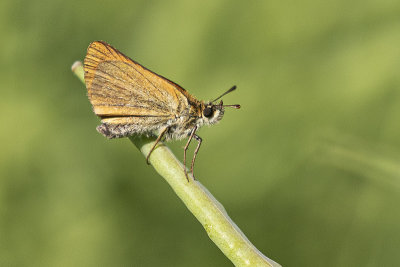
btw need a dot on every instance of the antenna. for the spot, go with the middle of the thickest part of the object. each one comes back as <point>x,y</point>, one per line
<point>227,92</point>
<point>232,106</point>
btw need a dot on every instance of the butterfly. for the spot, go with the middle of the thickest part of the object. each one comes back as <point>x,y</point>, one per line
<point>132,100</point>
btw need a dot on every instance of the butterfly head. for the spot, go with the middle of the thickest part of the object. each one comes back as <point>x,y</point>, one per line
<point>213,113</point>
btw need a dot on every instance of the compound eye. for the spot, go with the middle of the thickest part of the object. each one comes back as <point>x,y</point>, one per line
<point>207,112</point>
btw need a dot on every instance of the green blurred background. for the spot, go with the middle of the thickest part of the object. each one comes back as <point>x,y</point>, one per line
<point>309,168</point>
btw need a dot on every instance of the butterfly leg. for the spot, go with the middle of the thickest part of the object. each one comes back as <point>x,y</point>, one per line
<point>185,150</point>
<point>155,144</point>
<point>199,140</point>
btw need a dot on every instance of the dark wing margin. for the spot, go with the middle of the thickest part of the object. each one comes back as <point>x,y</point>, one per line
<point>99,51</point>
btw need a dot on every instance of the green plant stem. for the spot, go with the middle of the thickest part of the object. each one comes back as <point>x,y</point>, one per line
<point>208,211</point>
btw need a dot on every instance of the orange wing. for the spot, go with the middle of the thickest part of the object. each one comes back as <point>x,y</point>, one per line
<point>119,87</point>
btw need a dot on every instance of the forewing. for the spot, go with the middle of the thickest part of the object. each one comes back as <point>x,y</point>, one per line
<point>117,86</point>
